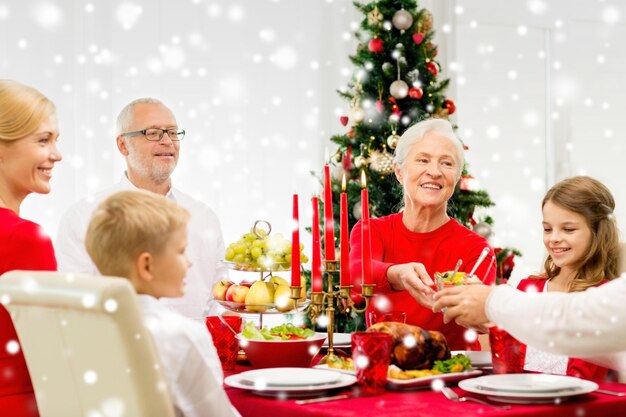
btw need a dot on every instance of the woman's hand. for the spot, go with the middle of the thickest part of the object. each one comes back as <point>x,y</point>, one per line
<point>413,278</point>
<point>464,304</point>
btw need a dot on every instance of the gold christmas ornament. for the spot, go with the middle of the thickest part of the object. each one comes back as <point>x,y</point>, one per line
<point>402,20</point>
<point>374,17</point>
<point>392,140</point>
<point>425,24</point>
<point>441,114</point>
<point>359,161</point>
<point>381,162</point>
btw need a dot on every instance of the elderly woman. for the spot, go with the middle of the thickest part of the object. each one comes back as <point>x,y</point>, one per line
<point>28,152</point>
<point>410,246</point>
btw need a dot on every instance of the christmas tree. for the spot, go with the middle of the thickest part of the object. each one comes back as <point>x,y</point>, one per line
<point>395,85</point>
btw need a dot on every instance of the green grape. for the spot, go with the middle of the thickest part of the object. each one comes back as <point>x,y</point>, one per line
<point>256,252</point>
<point>303,258</point>
<point>259,249</point>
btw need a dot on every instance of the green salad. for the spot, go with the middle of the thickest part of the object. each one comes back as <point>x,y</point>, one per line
<point>457,363</point>
<point>283,332</point>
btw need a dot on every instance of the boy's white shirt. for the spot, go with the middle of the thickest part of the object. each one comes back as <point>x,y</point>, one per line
<point>191,365</point>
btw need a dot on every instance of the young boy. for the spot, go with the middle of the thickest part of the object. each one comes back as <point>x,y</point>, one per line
<point>142,236</point>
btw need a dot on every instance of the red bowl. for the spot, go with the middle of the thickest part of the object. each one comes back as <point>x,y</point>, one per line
<point>282,353</point>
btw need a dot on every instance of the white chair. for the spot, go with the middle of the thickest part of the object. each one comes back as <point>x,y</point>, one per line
<point>86,346</point>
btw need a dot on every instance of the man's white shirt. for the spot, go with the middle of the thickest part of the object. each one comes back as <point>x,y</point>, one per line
<point>205,248</point>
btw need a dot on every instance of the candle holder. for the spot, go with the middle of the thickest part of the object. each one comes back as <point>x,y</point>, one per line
<point>324,302</point>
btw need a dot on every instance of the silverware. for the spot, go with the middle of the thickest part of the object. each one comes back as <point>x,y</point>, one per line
<point>480,260</point>
<point>453,396</point>
<point>324,399</point>
<point>609,392</point>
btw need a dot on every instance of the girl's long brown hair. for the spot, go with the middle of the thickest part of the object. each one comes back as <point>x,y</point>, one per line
<point>593,200</point>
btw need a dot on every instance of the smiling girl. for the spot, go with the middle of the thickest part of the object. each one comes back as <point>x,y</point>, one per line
<point>28,152</point>
<point>582,241</point>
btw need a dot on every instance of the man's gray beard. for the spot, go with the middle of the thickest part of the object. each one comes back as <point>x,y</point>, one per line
<point>156,174</point>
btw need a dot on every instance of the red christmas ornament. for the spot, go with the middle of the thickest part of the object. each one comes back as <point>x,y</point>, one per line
<point>418,38</point>
<point>415,93</point>
<point>394,106</point>
<point>449,105</point>
<point>379,106</point>
<point>375,45</point>
<point>432,68</point>
<point>344,120</point>
<point>465,184</point>
<point>346,162</point>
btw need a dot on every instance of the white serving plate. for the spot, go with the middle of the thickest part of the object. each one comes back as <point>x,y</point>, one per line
<point>424,381</point>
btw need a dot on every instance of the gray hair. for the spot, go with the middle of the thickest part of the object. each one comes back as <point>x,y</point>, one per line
<point>418,131</point>
<point>125,117</point>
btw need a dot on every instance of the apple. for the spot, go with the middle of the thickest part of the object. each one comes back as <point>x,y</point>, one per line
<point>237,293</point>
<point>220,288</point>
<point>247,283</point>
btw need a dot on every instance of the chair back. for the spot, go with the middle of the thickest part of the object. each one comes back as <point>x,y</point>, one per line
<point>86,346</point>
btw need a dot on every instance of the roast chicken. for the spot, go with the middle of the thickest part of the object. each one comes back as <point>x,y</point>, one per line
<point>413,347</point>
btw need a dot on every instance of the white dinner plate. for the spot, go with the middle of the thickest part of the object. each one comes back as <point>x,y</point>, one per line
<point>288,377</point>
<point>340,340</point>
<point>534,383</point>
<point>237,381</point>
<point>479,358</point>
<point>477,386</point>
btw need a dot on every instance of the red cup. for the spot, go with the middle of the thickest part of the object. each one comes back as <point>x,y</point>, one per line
<point>507,353</point>
<point>377,316</point>
<point>371,353</point>
<point>225,339</point>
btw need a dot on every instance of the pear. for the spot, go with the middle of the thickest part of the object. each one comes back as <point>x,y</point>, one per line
<point>260,296</point>
<point>278,280</point>
<point>282,281</point>
<point>282,298</point>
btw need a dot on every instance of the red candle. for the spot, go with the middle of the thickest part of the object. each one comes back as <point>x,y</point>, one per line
<point>316,258</point>
<point>343,236</point>
<point>365,233</point>
<point>329,225</point>
<point>295,245</point>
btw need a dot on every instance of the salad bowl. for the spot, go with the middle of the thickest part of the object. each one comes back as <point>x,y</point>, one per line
<point>292,351</point>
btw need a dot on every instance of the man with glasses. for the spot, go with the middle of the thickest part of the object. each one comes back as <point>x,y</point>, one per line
<point>149,139</point>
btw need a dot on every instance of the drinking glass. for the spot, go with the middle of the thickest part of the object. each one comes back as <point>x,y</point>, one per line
<point>371,354</point>
<point>507,353</point>
<point>223,331</point>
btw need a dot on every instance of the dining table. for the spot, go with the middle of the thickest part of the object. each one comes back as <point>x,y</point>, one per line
<point>424,402</point>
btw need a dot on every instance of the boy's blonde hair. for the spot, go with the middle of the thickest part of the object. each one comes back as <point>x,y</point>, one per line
<point>129,223</point>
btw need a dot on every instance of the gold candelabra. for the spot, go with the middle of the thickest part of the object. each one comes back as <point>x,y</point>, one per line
<point>324,301</point>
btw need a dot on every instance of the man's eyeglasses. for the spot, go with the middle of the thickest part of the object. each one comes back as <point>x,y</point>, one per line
<point>154,134</point>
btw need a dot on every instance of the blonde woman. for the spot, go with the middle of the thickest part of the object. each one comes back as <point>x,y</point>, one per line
<point>28,153</point>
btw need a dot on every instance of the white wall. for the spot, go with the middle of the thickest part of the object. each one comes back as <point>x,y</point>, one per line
<point>253,82</point>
